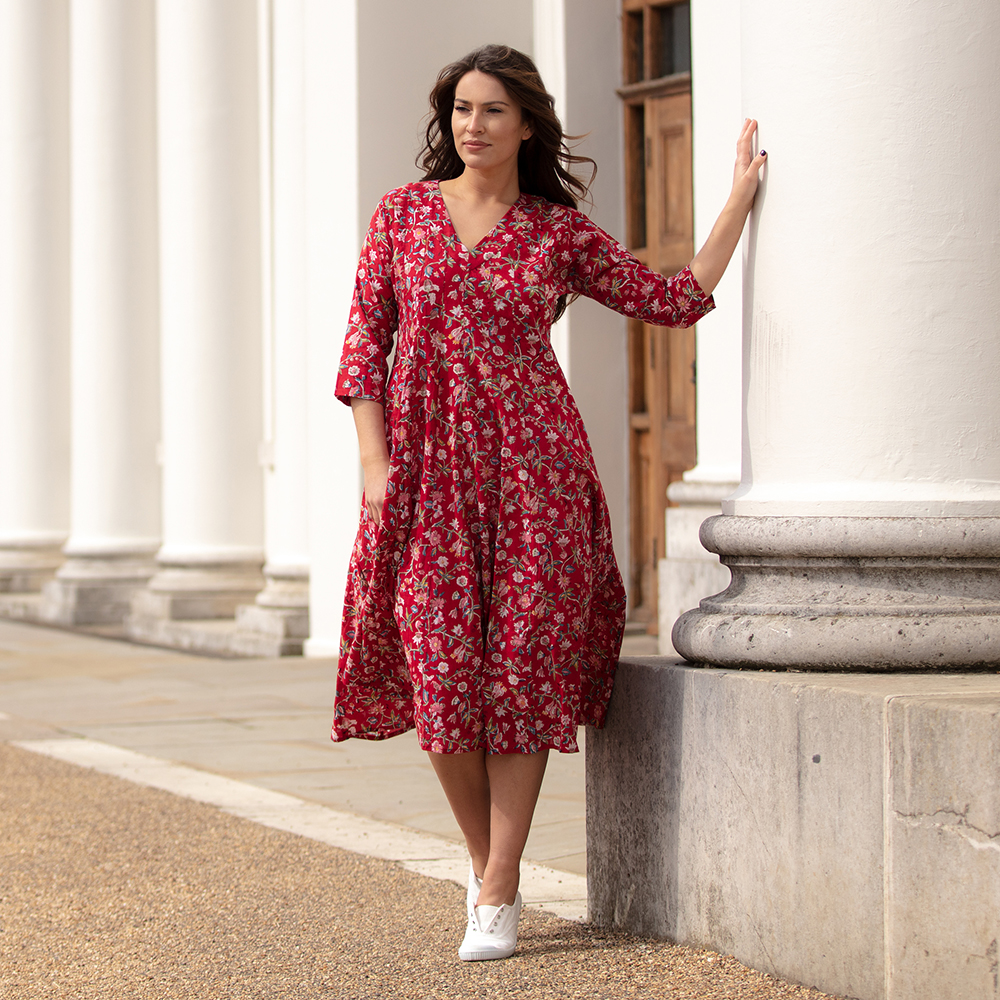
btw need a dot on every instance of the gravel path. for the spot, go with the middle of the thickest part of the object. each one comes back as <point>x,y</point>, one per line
<point>115,892</point>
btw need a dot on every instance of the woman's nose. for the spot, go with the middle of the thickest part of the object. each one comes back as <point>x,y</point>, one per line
<point>476,122</point>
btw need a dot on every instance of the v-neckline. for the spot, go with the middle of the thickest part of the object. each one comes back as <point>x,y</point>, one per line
<point>496,225</point>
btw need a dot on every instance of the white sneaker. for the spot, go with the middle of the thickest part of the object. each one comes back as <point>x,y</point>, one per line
<point>475,884</point>
<point>492,932</point>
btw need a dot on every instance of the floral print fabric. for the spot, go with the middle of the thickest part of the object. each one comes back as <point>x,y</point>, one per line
<point>486,608</point>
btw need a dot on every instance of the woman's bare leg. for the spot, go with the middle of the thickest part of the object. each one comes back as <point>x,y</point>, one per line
<point>466,785</point>
<point>515,781</point>
<point>493,798</point>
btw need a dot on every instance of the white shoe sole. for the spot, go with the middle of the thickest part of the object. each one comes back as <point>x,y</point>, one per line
<point>485,945</point>
<point>484,954</point>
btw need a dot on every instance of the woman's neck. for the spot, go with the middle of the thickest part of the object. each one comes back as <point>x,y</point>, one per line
<point>485,186</point>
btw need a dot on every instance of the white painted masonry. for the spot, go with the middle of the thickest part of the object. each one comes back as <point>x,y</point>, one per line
<point>331,233</point>
<point>210,281</point>
<point>278,620</point>
<point>115,480</point>
<point>716,113</point>
<point>34,290</point>
<point>871,290</point>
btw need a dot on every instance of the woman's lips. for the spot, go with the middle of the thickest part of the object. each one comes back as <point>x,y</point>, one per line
<point>475,144</point>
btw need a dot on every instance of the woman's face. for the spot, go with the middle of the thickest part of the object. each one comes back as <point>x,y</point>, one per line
<point>486,123</point>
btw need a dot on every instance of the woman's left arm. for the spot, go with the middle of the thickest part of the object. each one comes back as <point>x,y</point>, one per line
<point>713,258</point>
<point>602,269</point>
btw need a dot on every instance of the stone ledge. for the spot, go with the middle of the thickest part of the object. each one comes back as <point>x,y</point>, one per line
<point>224,637</point>
<point>230,638</point>
<point>837,830</point>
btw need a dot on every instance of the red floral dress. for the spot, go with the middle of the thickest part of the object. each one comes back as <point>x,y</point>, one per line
<point>486,608</point>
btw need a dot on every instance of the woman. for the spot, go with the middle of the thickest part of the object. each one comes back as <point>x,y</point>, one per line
<point>484,605</point>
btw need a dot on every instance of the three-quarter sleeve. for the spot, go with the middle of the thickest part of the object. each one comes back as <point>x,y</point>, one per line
<point>602,269</point>
<point>374,315</point>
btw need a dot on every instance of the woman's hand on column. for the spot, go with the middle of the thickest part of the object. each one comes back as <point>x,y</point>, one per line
<point>712,259</point>
<point>369,420</point>
<point>746,173</point>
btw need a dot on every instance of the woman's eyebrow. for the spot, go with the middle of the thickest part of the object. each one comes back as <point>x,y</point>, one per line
<point>464,101</point>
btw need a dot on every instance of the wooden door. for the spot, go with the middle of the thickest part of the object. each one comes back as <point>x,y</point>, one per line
<point>657,95</point>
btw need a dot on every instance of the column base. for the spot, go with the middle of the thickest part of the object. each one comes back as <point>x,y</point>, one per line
<point>850,593</point>
<point>25,567</point>
<point>689,572</point>
<point>96,589</point>
<point>180,594</point>
<point>277,623</point>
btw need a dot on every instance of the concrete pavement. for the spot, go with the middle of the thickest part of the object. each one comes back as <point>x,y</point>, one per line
<point>265,722</point>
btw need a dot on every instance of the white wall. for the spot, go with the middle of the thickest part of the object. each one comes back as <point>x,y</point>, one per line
<point>401,48</point>
<point>598,358</point>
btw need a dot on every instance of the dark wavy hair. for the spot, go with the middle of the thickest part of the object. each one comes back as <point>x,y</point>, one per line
<point>543,160</point>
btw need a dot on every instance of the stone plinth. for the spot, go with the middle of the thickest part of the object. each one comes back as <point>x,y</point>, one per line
<point>689,572</point>
<point>211,590</point>
<point>851,593</point>
<point>837,830</point>
<point>90,590</point>
<point>277,623</point>
<point>26,567</point>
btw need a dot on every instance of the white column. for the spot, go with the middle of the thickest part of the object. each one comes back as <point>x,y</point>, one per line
<point>331,233</point>
<point>866,529</point>
<point>115,483</point>
<point>690,572</point>
<point>210,322</point>
<point>34,290</point>
<point>278,621</point>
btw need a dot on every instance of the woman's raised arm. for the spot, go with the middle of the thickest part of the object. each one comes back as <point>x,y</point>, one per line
<point>713,258</point>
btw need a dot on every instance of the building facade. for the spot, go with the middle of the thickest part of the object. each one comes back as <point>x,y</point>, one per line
<point>187,185</point>
<point>184,187</point>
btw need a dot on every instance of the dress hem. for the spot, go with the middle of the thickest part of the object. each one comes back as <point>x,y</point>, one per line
<point>378,734</point>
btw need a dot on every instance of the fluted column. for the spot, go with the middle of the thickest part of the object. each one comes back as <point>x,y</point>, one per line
<point>278,621</point>
<point>866,529</point>
<point>115,483</point>
<point>34,290</point>
<point>210,314</point>
<point>332,240</point>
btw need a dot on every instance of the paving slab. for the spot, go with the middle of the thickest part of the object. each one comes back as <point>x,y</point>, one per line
<point>265,722</point>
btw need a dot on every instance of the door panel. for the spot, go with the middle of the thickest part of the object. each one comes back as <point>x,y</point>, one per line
<point>660,232</point>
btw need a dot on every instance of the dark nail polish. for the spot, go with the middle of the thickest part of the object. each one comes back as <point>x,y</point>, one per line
<point>763,152</point>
